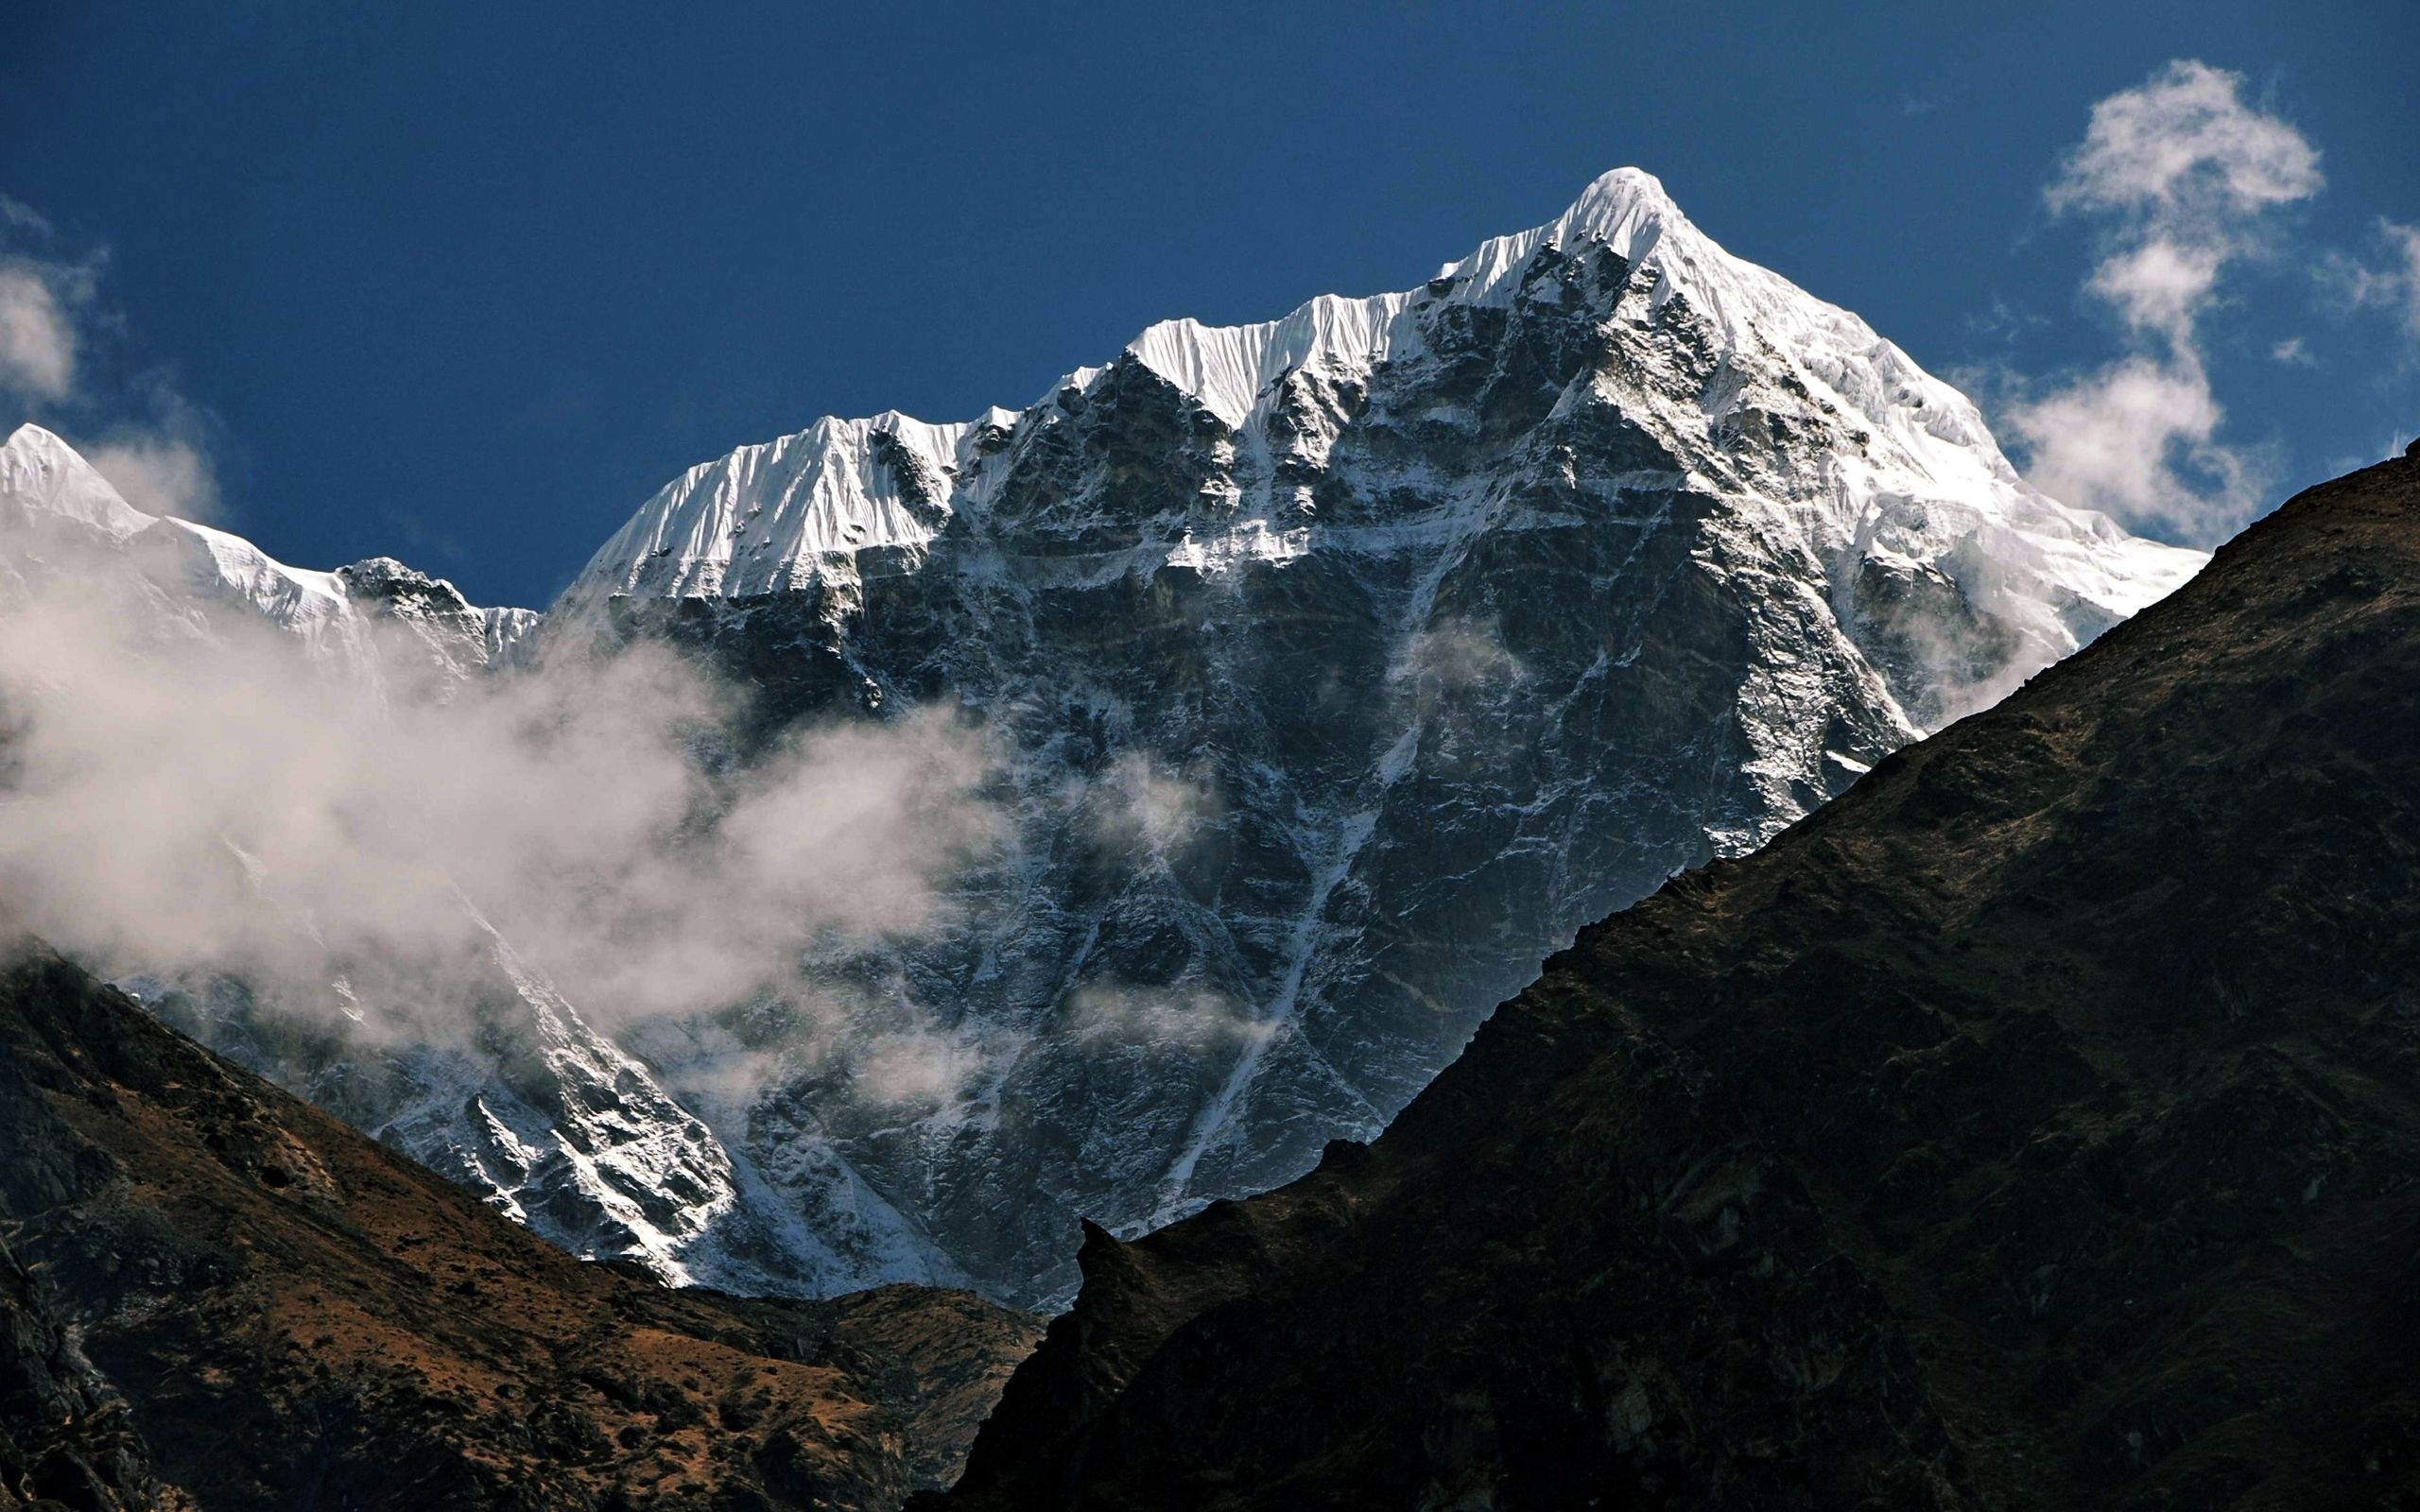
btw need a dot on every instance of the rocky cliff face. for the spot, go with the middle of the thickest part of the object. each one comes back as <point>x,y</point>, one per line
<point>1341,667</point>
<point>212,1295</point>
<point>2033,1127</point>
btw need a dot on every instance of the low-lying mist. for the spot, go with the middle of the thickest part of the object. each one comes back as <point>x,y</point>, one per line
<point>215,800</point>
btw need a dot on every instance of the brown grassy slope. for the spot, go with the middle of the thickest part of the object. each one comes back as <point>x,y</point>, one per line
<point>274,1311</point>
<point>2036,1127</point>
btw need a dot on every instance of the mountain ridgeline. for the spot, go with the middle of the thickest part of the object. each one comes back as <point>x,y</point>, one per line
<point>2035,1127</point>
<point>1329,672</point>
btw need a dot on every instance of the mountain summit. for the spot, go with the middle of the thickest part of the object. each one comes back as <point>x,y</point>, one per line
<point>1890,478</point>
<point>63,527</point>
<point>1340,667</point>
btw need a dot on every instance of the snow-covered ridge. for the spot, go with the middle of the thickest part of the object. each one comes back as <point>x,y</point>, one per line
<point>61,520</point>
<point>42,477</point>
<point>1924,481</point>
<point>1232,368</point>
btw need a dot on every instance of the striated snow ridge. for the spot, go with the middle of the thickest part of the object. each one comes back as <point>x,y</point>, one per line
<point>768,517</point>
<point>1233,370</point>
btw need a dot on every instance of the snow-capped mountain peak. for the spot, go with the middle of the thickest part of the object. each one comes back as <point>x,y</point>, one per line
<point>770,517</point>
<point>1334,668</point>
<point>1234,370</point>
<point>43,477</point>
<point>67,526</point>
<point>1343,663</point>
<point>1750,385</point>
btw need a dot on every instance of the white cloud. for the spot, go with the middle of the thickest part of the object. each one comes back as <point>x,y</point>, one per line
<point>2394,286</point>
<point>208,799</point>
<point>163,468</point>
<point>1184,1016</point>
<point>147,438</point>
<point>2137,440</point>
<point>2160,286</point>
<point>17,216</point>
<point>36,338</point>
<point>2294,353</point>
<point>2183,147</point>
<point>1142,801</point>
<point>918,1069</point>
<point>2185,178</point>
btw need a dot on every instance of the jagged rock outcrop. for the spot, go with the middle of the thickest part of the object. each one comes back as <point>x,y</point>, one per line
<point>2035,1126</point>
<point>214,1296</point>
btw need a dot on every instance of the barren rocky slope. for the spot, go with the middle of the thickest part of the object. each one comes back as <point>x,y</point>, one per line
<point>2035,1127</point>
<point>214,1297</point>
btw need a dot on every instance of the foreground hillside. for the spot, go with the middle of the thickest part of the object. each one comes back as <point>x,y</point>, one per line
<point>214,1297</point>
<point>2035,1127</point>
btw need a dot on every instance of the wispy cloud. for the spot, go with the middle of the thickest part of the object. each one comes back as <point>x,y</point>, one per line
<point>1140,801</point>
<point>37,334</point>
<point>162,459</point>
<point>2186,179</point>
<point>2390,286</point>
<point>142,434</point>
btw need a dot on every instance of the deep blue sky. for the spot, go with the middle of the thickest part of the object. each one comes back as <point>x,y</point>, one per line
<point>464,285</point>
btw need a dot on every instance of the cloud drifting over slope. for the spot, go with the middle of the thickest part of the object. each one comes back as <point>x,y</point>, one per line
<point>2186,179</point>
<point>214,800</point>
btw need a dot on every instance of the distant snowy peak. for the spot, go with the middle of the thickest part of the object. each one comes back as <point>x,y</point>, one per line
<point>43,478</point>
<point>61,522</point>
<point>1890,471</point>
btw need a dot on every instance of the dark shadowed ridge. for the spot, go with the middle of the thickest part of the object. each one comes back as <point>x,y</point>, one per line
<point>213,1297</point>
<point>2035,1127</point>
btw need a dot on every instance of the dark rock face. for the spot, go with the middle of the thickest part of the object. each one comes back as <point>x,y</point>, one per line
<point>65,1440</point>
<point>214,1297</point>
<point>2033,1127</point>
